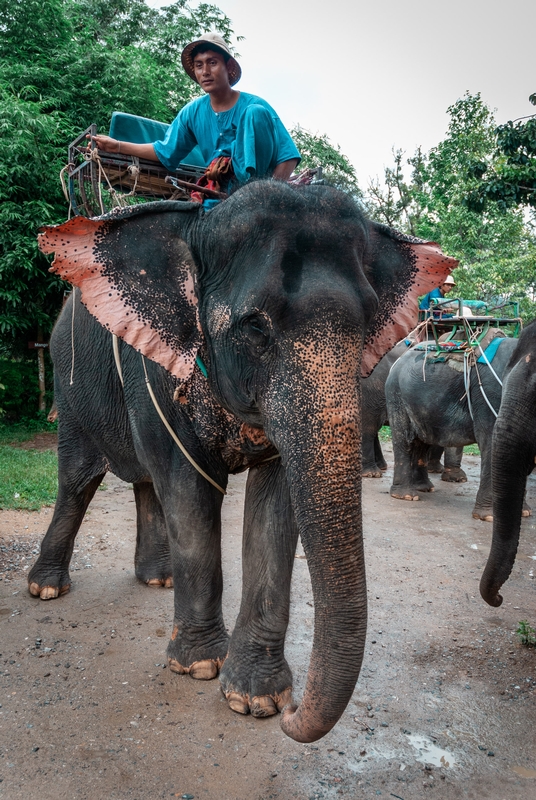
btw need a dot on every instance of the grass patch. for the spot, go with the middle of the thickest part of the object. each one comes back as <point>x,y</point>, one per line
<point>526,633</point>
<point>384,434</point>
<point>471,450</point>
<point>25,430</point>
<point>30,478</point>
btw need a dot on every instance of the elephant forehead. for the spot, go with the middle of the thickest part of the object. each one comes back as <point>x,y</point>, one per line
<point>219,316</point>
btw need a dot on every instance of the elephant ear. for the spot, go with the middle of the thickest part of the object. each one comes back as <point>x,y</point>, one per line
<point>400,268</point>
<point>135,272</point>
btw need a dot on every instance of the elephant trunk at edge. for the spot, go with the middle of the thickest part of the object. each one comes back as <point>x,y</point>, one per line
<point>513,456</point>
<point>288,295</point>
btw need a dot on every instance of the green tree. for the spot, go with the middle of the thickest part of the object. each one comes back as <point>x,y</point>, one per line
<point>496,247</point>
<point>509,176</point>
<point>317,151</point>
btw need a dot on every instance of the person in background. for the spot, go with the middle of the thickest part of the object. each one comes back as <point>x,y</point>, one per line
<point>440,292</point>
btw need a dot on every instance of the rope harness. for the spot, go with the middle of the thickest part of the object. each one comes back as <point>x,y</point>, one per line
<point>184,451</point>
<point>467,348</point>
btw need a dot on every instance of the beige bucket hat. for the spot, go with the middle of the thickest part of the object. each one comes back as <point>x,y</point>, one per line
<point>219,45</point>
<point>450,280</point>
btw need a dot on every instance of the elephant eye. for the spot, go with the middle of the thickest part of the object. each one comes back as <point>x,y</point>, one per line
<point>256,331</point>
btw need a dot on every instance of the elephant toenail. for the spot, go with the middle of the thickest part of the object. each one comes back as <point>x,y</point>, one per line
<point>204,670</point>
<point>238,702</point>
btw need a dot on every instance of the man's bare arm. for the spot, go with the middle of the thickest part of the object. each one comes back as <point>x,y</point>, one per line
<point>109,145</point>
<point>284,170</point>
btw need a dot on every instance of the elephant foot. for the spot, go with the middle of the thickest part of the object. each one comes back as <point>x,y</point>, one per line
<point>205,670</point>
<point>404,493</point>
<point>167,583</point>
<point>436,467</point>
<point>454,475</point>
<point>47,592</point>
<point>48,583</point>
<point>371,472</point>
<point>154,573</point>
<point>263,706</point>
<point>485,514</point>
<point>201,661</point>
<point>256,678</point>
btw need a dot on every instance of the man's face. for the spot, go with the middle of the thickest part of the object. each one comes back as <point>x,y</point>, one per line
<point>211,71</point>
<point>446,288</point>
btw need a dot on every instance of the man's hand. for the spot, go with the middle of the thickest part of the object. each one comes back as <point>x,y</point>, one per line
<point>109,145</point>
<point>106,143</point>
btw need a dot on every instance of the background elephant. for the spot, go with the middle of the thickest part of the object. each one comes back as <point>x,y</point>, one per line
<point>427,405</point>
<point>247,328</point>
<point>513,455</point>
<point>374,416</point>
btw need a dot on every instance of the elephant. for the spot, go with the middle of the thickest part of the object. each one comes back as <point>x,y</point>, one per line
<point>513,456</point>
<point>239,335</point>
<point>374,416</point>
<point>374,412</point>
<point>427,405</point>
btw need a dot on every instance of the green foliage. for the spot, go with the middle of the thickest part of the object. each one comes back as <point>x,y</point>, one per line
<point>65,64</point>
<point>20,395</point>
<point>317,151</point>
<point>508,178</point>
<point>471,450</point>
<point>526,633</point>
<point>496,247</point>
<point>26,429</point>
<point>29,478</point>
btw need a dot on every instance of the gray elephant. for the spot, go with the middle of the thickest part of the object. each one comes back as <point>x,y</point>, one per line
<point>242,333</point>
<point>437,400</point>
<point>513,456</point>
<point>374,416</point>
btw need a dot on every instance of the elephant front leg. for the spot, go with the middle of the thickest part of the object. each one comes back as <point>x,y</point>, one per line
<point>192,508</point>
<point>152,560</point>
<point>256,678</point>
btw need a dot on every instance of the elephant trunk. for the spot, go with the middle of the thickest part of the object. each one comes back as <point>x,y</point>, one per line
<point>513,450</point>
<point>319,443</point>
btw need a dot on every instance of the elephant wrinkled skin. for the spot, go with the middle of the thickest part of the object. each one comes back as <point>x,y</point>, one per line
<point>286,295</point>
<point>513,456</point>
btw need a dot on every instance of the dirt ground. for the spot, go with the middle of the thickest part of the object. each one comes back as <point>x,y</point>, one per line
<point>444,707</point>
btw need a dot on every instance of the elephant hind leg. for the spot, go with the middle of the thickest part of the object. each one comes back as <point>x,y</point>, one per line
<point>453,473</point>
<point>411,473</point>
<point>152,561</point>
<point>434,459</point>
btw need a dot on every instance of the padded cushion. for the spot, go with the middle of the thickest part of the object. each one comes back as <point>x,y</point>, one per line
<point>140,130</point>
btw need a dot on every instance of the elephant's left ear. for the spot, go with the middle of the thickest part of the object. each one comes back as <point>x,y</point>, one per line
<point>400,268</point>
<point>135,273</point>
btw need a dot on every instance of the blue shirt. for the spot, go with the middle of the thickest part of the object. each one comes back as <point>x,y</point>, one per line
<point>425,302</point>
<point>215,133</point>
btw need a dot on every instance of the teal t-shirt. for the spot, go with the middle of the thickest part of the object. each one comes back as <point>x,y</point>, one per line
<point>215,133</point>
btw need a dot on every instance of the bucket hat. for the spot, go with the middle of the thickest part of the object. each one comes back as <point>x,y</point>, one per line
<point>218,44</point>
<point>450,280</point>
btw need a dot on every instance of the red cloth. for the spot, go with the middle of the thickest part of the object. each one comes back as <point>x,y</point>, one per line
<point>219,172</point>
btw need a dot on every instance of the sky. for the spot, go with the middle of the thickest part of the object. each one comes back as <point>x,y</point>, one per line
<point>381,74</point>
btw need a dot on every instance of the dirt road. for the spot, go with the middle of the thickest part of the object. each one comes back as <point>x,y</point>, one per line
<point>444,707</point>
